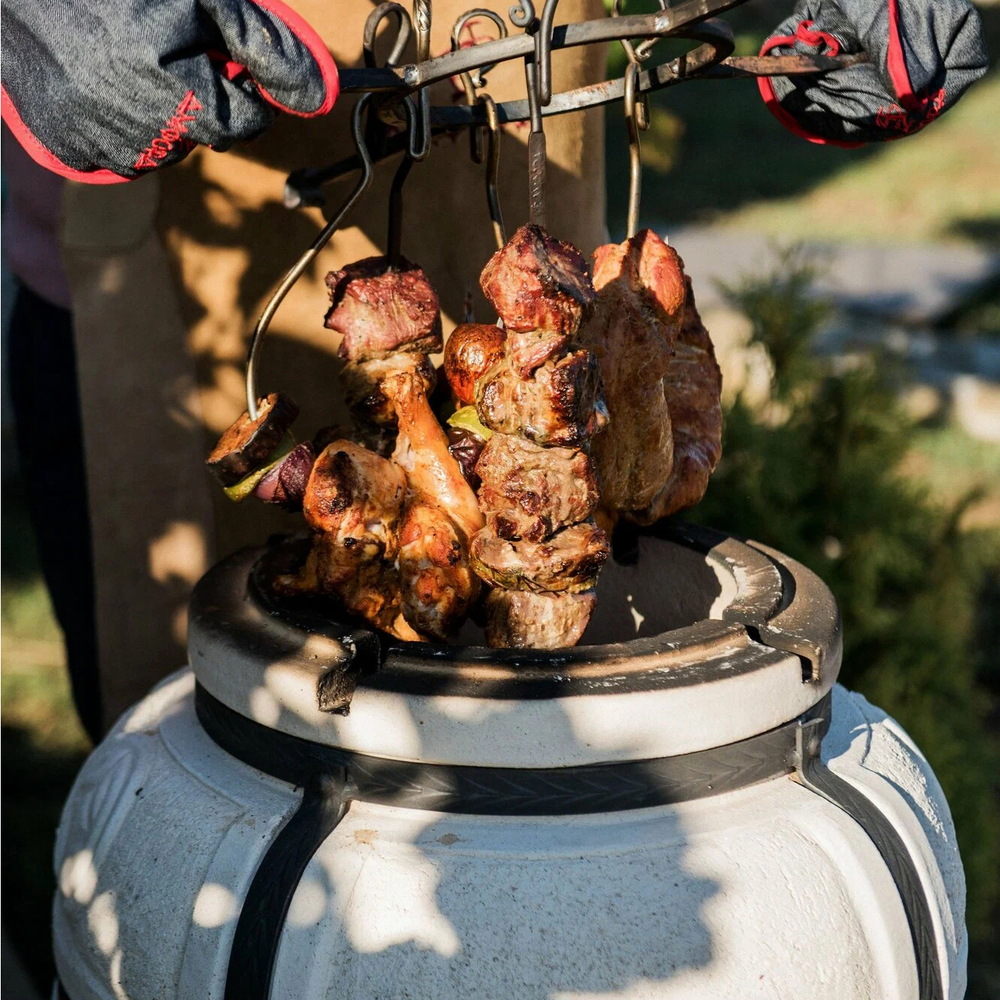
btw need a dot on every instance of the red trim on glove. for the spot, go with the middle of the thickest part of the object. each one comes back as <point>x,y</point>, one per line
<point>43,156</point>
<point>308,36</point>
<point>766,88</point>
<point>896,63</point>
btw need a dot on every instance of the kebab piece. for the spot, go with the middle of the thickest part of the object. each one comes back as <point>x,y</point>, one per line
<point>693,386</point>
<point>542,401</point>
<point>436,580</point>
<point>662,383</point>
<point>390,318</point>
<point>354,504</point>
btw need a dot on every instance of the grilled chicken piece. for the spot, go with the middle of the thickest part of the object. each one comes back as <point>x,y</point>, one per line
<point>568,561</point>
<point>561,404</point>
<point>362,382</point>
<point>693,386</point>
<point>422,453</point>
<point>437,583</point>
<point>640,287</point>
<point>354,503</point>
<point>519,618</point>
<point>535,491</point>
<point>471,351</point>
<point>380,309</point>
<point>536,282</point>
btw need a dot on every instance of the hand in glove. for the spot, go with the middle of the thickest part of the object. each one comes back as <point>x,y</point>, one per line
<point>102,91</point>
<point>925,54</point>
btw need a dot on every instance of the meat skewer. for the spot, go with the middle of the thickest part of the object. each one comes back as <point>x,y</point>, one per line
<point>390,318</point>
<point>661,380</point>
<point>540,549</point>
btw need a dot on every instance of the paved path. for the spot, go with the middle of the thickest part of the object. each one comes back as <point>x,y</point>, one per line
<point>916,285</point>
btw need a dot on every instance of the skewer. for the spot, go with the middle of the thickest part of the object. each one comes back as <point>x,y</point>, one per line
<point>293,275</point>
<point>493,170</point>
<point>414,154</point>
<point>634,148</point>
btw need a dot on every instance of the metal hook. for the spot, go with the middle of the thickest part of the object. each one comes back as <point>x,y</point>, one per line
<point>522,14</point>
<point>478,75</point>
<point>634,148</point>
<point>364,182</point>
<point>543,52</point>
<point>493,170</point>
<point>536,137</point>
<point>413,155</point>
<point>422,22</point>
<point>404,29</point>
<point>473,79</point>
<point>641,114</point>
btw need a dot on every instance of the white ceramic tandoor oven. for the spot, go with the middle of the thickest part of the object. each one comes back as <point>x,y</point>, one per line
<point>694,811</point>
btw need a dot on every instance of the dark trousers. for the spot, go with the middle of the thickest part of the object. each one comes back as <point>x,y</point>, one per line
<point>41,372</point>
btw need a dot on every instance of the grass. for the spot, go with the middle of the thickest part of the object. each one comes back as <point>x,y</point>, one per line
<point>42,742</point>
<point>715,155</point>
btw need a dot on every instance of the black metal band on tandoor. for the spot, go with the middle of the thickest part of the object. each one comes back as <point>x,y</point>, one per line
<point>332,777</point>
<point>510,791</point>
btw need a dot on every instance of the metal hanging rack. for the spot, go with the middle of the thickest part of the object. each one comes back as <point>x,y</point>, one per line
<point>395,96</point>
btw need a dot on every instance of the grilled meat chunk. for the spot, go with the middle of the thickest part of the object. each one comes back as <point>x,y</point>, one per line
<point>640,287</point>
<point>362,382</point>
<point>380,309</point>
<point>422,453</point>
<point>536,282</point>
<point>568,561</point>
<point>535,491</point>
<point>247,444</point>
<point>528,349</point>
<point>562,404</point>
<point>519,618</point>
<point>356,497</point>
<point>693,386</point>
<point>471,350</point>
<point>354,502</point>
<point>437,583</point>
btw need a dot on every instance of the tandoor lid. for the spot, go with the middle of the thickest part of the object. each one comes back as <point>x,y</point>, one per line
<point>698,640</point>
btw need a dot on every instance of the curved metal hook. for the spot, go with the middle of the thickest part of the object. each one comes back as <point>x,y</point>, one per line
<point>473,79</point>
<point>413,155</point>
<point>293,275</point>
<point>626,43</point>
<point>404,29</point>
<point>632,106</point>
<point>522,14</point>
<point>422,22</point>
<point>493,170</point>
<point>478,75</point>
<point>543,52</point>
